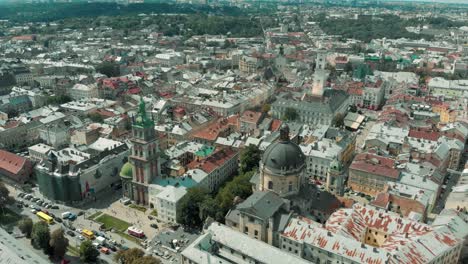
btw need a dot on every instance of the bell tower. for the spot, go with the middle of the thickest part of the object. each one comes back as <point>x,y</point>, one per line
<point>144,155</point>
<point>336,177</point>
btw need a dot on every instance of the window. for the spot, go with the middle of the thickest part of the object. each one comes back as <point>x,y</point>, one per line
<point>290,187</point>
<point>256,232</point>
<point>270,185</point>
<point>375,241</point>
<point>246,229</point>
<point>251,219</point>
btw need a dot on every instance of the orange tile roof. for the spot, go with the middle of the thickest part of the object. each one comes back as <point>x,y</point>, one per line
<point>11,162</point>
<point>214,161</point>
<point>251,117</point>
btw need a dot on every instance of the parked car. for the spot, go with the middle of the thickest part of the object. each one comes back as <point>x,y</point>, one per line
<point>72,217</point>
<point>65,215</point>
<point>33,211</point>
<point>105,250</point>
<point>80,213</point>
<point>70,233</point>
<point>32,206</point>
<point>48,206</point>
<point>58,219</point>
<point>55,207</point>
<point>19,205</point>
<point>154,225</point>
<point>80,237</point>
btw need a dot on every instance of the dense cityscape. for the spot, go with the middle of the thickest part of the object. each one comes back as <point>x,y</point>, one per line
<point>235,131</point>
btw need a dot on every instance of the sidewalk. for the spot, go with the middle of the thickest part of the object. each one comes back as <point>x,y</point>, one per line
<point>134,217</point>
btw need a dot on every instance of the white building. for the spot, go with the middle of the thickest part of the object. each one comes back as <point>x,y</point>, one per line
<point>223,245</point>
<point>319,155</point>
<point>167,201</point>
<point>170,59</point>
<point>39,151</point>
<point>81,91</point>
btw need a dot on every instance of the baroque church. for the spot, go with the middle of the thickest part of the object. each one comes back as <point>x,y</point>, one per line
<point>281,190</point>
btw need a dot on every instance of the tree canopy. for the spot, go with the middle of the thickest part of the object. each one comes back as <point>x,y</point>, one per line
<point>5,197</point>
<point>40,236</point>
<point>88,253</point>
<point>249,158</point>
<point>189,210</point>
<point>59,243</point>
<point>290,114</point>
<point>109,69</point>
<point>25,225</point>
<point>134,256</point>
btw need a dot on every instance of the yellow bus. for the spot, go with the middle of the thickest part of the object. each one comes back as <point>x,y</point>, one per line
<point>88,234</point>
<point>45,217</point>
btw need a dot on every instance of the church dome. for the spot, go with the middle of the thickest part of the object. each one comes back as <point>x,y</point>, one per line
<point>284,157</point>
<point>127,170</point>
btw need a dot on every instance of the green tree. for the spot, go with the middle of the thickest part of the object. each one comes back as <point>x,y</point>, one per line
<point>109,69</point>
<point>338,120</point>
<point>25,225</point>
<point>290,114</point>
<point>188,213</point>
<point>128,256</point>
<point>266,108</point>
<point>240,187</point>
<point>59,243</point>
<point>209,207</point>
<point>40,236</point>
<point>57,100</point>
<point>88,253</point>
<point>5,197</point>
<point>249,158</point>
<point>353,108</point>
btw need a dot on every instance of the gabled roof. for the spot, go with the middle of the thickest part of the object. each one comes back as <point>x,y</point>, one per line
<point>261,204</point>
<point>10,162</point>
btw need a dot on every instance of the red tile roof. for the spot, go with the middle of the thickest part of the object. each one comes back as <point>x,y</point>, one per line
<point>214,161</point>
<point>375,164</point>
<point>275,125</point>
<point>428,135</point>
<point>11,162</point>
<point>214,130</point>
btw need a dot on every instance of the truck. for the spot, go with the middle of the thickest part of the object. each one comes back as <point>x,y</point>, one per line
<point>65,215</point>
<point>100,240</point>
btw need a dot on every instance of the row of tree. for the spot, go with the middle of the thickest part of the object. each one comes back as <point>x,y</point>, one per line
<point>54,244</point>
<point>198,204</point>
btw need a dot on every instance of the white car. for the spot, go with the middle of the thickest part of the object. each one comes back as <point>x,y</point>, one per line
<point>80,237</point>
<point>33,211</point>
<point>32,206</point>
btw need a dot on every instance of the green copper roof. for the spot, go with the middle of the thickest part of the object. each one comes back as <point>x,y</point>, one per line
<point>205,151</point>
<point>142,119</point>
<point>126,171</point>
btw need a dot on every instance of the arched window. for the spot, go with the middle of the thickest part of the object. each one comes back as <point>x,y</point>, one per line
<point>270,185</point>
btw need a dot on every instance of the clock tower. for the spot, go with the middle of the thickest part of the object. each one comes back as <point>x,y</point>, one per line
<point>144,156</point>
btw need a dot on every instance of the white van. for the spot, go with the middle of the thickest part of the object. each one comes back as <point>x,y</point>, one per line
<point>66,215</point>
